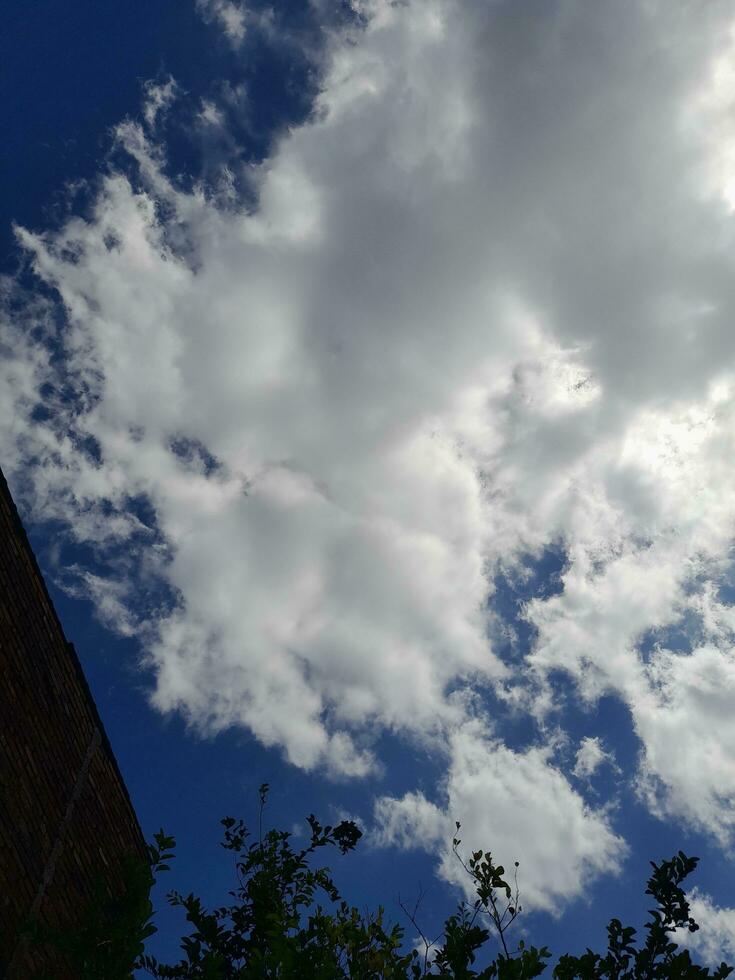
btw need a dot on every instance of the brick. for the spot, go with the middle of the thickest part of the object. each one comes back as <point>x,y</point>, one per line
<point>48,721</point>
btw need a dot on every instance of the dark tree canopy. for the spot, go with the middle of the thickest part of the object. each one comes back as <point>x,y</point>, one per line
<point>287,920</point>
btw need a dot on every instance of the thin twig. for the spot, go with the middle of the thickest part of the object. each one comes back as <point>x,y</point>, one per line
<point>412,918</point>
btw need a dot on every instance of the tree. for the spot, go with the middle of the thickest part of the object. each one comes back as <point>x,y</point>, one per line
<point>287,920</point>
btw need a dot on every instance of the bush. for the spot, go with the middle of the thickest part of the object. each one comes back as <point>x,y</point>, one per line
<point>277,927</point>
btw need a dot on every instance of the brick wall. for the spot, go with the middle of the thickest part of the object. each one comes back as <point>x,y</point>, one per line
<point>64,810</point>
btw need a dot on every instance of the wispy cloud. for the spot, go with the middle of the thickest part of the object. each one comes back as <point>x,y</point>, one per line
<point>230,16</point>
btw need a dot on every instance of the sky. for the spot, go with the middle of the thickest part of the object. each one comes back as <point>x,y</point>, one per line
<point>368,391</point>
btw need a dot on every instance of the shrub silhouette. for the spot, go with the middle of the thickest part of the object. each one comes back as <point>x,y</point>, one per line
<point>277,925</point>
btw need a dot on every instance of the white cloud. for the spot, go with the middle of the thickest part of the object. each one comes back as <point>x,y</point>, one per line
<point>687,728</point>
<point>484,305</point>
<point>158,98</point>
<point>231,17</point>
<point>110,599</point>
<point>714,941</point>
<point>209,114</point>
<point>516,805</point>
<point>410,822</point>
<point>590,756</point>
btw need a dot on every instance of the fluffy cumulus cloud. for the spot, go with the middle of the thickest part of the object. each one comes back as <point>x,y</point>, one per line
<point>520,802</point>
<point>481,306</point>
<point>714,941</point>
<point>686,726</point>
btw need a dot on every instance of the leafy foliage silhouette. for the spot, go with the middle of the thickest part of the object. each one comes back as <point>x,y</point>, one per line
<point>110,939</point>
<point>277,927</point>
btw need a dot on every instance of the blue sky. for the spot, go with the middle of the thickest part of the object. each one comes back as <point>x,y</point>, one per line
<point>367,390</point>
